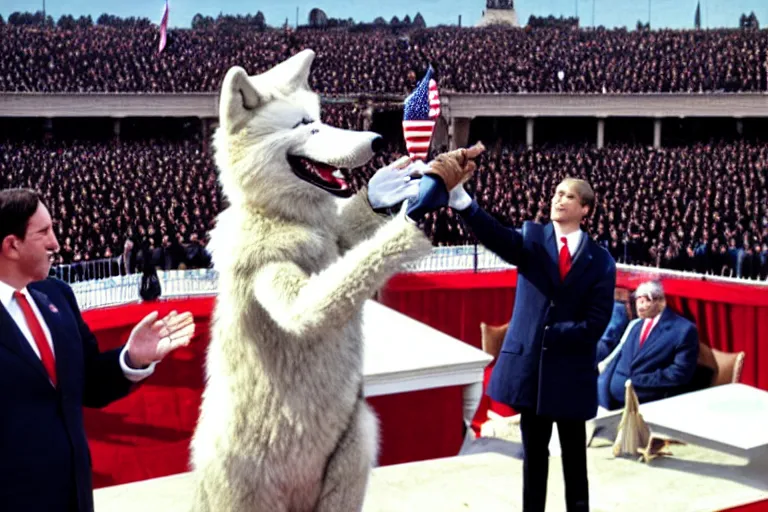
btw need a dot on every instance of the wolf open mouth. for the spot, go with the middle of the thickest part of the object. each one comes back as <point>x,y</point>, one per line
<point>325,176</point>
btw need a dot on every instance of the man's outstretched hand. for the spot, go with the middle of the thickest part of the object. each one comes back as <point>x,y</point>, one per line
<point>442,184</point>
<point>456,167</point>
<point>153,339</point>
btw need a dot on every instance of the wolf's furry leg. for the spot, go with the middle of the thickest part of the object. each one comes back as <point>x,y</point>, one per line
<point>217,492</point>
<point>346,477</point>
<point>307,305</point>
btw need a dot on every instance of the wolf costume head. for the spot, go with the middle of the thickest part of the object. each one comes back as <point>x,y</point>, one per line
<point>271,139</point>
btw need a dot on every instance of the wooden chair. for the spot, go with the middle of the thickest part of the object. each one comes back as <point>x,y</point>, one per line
<point>727,366</point>
<point>492,337</point>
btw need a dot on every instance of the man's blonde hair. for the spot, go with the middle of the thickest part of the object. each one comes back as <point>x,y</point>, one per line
<point>584,190</point>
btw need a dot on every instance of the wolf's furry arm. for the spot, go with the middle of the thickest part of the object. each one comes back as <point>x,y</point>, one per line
<point>305,305</point>
<point>358,221</point>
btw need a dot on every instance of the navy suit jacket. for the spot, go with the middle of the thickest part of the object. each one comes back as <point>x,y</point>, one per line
<point>662,367</point>
<point>614,331</point>
<point>45,462</point>
<point>548,360</point>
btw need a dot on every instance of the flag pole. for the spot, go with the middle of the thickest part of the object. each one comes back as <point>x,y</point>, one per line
<point>649,13</point>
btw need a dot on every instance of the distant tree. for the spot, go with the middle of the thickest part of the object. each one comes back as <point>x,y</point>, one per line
<point>85,21</point>
<point>317,18</point>
<point>66,22</point>
<point>28,19</point>
<point>553,22</point>
<point>260,20</point>
<point>109,20</point>
<point>198,21</point>
<point>749,22</point>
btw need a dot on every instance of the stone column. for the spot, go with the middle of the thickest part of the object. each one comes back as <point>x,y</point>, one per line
<point>529,126</point>
<point>459,132</point>
<point>600,133</point>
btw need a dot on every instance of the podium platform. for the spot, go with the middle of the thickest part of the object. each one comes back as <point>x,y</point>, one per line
<point>696,479</point>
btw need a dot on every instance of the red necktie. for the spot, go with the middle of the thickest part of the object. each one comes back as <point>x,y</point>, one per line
<point>46,354</point>
<point>646,330</point>
<point>565,258</point>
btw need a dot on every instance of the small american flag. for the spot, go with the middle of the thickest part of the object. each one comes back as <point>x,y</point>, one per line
<point>163,28</point>
<point>421,110</point>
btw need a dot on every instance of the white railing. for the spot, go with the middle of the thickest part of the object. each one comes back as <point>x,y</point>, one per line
<point>120,289</point>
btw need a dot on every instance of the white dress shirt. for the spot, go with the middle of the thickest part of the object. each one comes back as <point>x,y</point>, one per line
<point>12,306</point>
<point>574,239</point>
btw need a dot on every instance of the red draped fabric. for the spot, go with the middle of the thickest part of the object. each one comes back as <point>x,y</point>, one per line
<point>758,506</point>
<point>729,316</point>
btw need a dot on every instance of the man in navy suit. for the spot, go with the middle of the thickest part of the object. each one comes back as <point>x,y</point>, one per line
<point>658,355</point>
<point>547,367</point>
<point>50,367</point>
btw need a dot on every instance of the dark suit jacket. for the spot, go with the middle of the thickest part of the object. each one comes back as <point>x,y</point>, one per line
<point>661,368</point>
<point>44,457</point>
<point>614,331</point>
<point>548,360</point>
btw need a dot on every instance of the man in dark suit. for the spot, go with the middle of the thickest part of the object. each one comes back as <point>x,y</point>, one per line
<point>547,367</point>
<point>50,367</point>
<point>658,355</point>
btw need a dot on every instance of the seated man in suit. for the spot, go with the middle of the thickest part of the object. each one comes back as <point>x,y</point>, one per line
<point>622,314</point>
<point>658,354</point>
<point>51,366</point>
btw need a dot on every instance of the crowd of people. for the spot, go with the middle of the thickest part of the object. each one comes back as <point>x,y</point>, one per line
<point>675,208</point>
<point>477,60</point>
<point>132,202</point>
<point>701,208</point>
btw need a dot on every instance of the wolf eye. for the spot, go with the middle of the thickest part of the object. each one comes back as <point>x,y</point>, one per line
<point>305,121</point>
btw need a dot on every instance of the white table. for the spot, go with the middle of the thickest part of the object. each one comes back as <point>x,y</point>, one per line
<point>402,355</point>
<point>732,418</point>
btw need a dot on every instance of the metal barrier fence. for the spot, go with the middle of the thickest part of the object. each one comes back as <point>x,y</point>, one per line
<point>111,290</point>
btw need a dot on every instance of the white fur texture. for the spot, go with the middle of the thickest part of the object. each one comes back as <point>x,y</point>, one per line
<point>283,426</point>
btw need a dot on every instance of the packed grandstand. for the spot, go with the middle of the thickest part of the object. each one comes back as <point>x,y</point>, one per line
<point>698,203</point>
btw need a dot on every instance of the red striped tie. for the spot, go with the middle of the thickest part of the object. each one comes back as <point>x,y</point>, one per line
<point>46,354</point>
<point>565,259</point>
<point>646,330</point>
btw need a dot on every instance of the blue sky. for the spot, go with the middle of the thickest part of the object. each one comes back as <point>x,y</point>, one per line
<point>611,13</point>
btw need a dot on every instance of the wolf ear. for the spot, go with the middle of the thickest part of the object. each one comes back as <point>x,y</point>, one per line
<point>238,96</point>
<point>292,74</point>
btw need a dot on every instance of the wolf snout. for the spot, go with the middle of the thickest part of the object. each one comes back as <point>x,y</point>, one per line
<point>377,144</point>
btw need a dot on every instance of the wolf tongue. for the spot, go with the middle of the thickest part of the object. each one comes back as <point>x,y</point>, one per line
<point>326,173</point>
